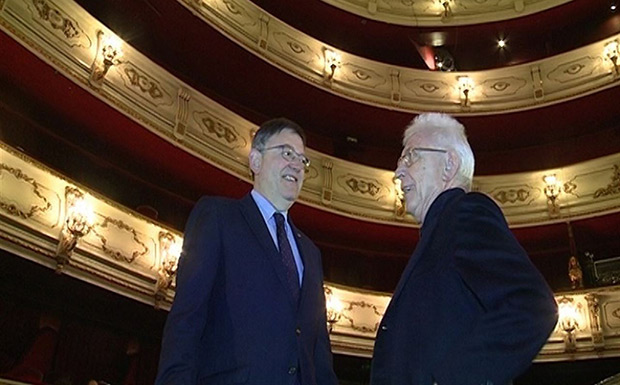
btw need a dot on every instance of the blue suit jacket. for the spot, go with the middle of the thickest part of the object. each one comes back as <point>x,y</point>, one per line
<point>470,307</point>
<point>233,320</point>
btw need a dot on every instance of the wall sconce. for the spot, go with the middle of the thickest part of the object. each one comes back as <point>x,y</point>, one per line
<point>333,307</point>
<point>170,251</point>
<point>79,220</point>
<point>570,319</point>
<point>108,54</point>
<point>466,86</point>
<point>552,190</point>
<point>332,62</point>
<point>611,53</point>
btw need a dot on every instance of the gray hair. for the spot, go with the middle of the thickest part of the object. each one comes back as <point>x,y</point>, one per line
<point>446,132</point>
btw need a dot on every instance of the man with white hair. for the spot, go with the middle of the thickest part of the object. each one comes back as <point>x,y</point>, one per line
<point>470,307</point>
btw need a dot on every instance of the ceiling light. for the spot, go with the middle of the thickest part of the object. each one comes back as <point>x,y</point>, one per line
<point>501,43</point>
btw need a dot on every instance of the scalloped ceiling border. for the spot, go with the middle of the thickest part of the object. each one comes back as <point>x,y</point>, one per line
<point>152,97</point>
<point>515,88</point>
<point>430,13</point>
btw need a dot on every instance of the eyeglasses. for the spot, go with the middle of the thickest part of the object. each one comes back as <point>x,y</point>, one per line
<point>412,155</point>
<point>289,154</point>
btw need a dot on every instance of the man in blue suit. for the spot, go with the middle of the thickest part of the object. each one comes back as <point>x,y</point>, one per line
<point>470,307</point>
<point>249,305</point>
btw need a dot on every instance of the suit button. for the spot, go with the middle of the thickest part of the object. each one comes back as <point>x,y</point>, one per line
<point>292,370</point>
<point>298,331</point>
<point>384,327</point>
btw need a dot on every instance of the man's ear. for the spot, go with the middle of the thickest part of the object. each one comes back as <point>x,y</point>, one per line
<point>452,165</point>
<point>256,160</point>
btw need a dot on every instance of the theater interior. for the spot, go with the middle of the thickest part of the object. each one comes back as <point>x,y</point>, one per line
<point>116,116</point>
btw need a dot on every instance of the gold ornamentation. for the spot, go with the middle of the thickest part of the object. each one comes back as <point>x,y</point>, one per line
<point>12,208</point>
<point>613,188</point>
<point>512,195</point>
<point>218,129</point>
<point>364,76</point>
<point>144,85</point>
<point>327,191</point>
<point>595,323</point>
<point>502,86</point>
<point>119,255</point>
<point>364,187</point>
<point>570,187</point>
<point>428,89</point>
<point>363,305</point>
<point>295,48</point>
<point>239,14</point>
<point>575,69</point>
<point>48,12</point>
<point>79,220</point>
<point>180,122</point>
<point>170,251</point>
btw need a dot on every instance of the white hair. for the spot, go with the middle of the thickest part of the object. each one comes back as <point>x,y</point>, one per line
<point>447,132</point>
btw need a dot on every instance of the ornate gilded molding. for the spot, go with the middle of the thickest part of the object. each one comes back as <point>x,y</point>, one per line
<point>433,13</point>
<point>141,263</point>
<point>134,85</point>
<point>515,88</point>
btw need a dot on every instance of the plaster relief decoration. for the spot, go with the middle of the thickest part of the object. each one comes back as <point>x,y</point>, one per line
<point>435,13</point>
<point>295,49</point>
<point>499,87</point>
<point>613,188</point>
<point>362,316</point>
<point>215,129</point>
<point>362,187</point>
<point>120,241</point>
<point>576,69</point>
<point>363,76</point>
<point>143,85</point>
<point>243,16</point>
<point>47,14</point>
<point>611,311</point>
<point>516,195</point>
<point>425,88</point>
<point>23,197</point>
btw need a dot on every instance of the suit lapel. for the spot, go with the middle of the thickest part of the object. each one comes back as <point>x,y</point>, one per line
<point>255,221</point>
<point>427,248</point>
<point>419,251</point>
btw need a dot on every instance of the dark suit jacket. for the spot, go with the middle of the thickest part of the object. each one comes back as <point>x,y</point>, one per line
<point>233,320</point>
<point>470,308</point>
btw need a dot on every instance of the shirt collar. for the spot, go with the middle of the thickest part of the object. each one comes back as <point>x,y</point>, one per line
<point>265,207</point>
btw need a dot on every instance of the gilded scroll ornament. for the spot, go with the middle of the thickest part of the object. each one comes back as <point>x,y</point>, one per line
<point>363,187</point>
<point>614,187</point>
<point>12,208</point>
<point>144,85</point>
<point>375,315</point>
<point>512,195</point>
<point>219,130</point>
<point>53,17</point>
<point>119,255</point>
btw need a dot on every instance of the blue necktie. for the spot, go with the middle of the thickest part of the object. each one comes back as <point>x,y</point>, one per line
<point>292,276</point>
